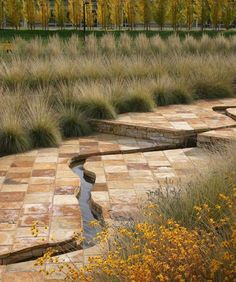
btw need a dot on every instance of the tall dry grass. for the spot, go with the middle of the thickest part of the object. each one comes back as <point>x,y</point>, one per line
<point>107,76</point>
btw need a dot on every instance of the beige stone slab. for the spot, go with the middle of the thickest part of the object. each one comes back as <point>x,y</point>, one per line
<point>65,200</point>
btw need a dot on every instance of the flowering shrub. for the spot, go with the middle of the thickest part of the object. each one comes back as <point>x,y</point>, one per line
<point>169,252</point>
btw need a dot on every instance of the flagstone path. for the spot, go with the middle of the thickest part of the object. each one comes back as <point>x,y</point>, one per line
<point>40,186</point>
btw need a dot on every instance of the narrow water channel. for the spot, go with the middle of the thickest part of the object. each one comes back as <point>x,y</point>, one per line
<point>84,198</point>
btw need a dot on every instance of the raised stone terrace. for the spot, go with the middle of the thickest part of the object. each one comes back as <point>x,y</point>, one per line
<point>174,124</point>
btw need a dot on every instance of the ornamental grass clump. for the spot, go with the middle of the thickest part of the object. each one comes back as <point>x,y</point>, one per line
<point>204,189</point>
<point>97,107</point>
<point>168,92</point>
<point>125,44</point>
<point>13,138</point>
<point>72,123</point>
<point>135,100</point>
<point>108,44</point>
<point>207,89</point>
<point>43,130</point>
<point>190,45</point>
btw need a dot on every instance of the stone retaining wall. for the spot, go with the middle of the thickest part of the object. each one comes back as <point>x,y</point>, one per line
<point>177,137</point>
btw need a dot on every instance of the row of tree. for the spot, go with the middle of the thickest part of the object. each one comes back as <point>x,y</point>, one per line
<point>118,13</point>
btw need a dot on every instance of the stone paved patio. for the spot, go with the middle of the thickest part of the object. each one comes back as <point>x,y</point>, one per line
<point>121,185</point>
<point>126,178</point>
<point>40,186</point>
<point>198,116</point>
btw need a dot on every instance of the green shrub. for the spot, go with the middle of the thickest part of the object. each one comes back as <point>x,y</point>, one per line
<point>72,123</point>
<point>13,138</point>
<point>97,107</point>
<point>135,101</point>
<point>210,90</point>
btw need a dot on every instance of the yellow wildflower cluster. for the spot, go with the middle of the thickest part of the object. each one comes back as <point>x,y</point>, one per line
<point>34,229</point>
<point>164,250</point>
<point>170,252</point>
<point>47,257</point>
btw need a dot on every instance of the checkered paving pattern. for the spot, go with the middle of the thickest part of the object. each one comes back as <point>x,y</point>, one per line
<point>40,186</point>
<point>122,181</point>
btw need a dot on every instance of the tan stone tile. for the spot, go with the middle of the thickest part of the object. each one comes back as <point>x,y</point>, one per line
<point>36,208</point>
<point>4,250</point>
<point>44,173</point>
<point>11,196</point>
<point>22,277</point>
<point>11,205</point>
<point>124,196</point>
<point>14,188</point>
<point>66,210</point>
<point>113,176</point>
<point>18,169</point>
<point>6,238</point>
<point>46,159</point>
<point>23,266</point>
<point>29,242</point>
<point>65,173</point>
<point>7,226</point>
<point>41,180</point>
<point>40,166</point>
<point>100,197</point>
<point>40,188</point>
<point>36,198</point>
<point>115,168</point>
<point>67,181</point>
<point>65,190</point>
<point>9,216</point>
<point>59,200</point>
<point>122,184</point>
<point>30,219</point>
<point>26,233</point>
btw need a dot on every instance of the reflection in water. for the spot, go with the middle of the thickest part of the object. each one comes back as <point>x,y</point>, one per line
<point>86,186</point>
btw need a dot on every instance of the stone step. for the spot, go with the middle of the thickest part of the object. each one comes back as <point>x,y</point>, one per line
<point>217,137</point>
